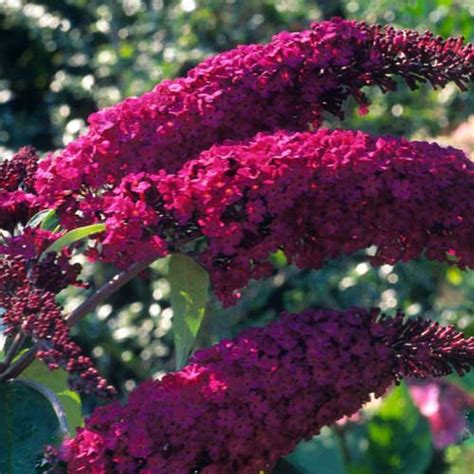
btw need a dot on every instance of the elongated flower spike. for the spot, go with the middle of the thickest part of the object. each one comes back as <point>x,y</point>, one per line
<point>427,349</point>
<point>242,404</point>
<point>285,84</point>
<point>314,195</point>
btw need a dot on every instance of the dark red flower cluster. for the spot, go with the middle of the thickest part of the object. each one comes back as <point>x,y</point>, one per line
<point>52,272</point>
<point>19,172</point>
<point>18,201</point>
<point>30,244</point>
<point>27,294</point>
<point>314,195</point>
<point>287,83</point>
<point>242,404</point>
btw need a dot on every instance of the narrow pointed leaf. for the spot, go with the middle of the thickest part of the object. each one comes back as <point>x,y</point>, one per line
<point>47,220</point>
<point>74,236</point>
<point>189,291</point>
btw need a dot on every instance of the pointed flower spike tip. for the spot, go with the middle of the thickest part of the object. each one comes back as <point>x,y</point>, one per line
<point>426,349</point>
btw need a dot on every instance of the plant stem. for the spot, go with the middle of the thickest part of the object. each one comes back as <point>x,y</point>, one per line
<point>12,351</point>
<point>20,364</point>
<point>80,312</point>
<point>107,290</point>
<point>342,441</point>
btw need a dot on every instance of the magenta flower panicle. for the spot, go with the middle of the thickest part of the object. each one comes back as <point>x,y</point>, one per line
<point>242,404</point>
<point>314,195</point>
<point>286,84</point>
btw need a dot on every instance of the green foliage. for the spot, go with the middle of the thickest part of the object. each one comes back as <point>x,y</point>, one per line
<point>395,440</point>
<point>46,220</point>
<point>56,381</point>
<point>189,294</point>
<point>74,236</point>
<point>28,421</point>
<point>460,458</point>
<point>399,437</point>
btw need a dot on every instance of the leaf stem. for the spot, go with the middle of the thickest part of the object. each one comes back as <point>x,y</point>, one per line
<point>20,364</point>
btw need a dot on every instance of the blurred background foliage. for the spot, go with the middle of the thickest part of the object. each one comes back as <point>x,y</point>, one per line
<point>60,60</point>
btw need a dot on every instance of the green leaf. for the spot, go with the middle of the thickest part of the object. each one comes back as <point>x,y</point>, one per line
<point>279,259</point>
<point>46,220</point>
<point>399,438</point>
<point>56,381</point>
<point>189,291</point>
<point>3,338</point>
<point>466,381</point>
<point>74,236</point>
<point>28,421</point>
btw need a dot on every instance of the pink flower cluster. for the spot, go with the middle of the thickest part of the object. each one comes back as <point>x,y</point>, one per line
<point>314,195</point>
<point>18,201</point>
<point>242,404</point>
<point>287,83</point>
<point>445,405</point>
<point>28,287</point>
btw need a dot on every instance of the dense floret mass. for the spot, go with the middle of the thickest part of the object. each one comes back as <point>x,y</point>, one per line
<point>314,195</point>
<point>18,201</point>
<point>287,83</point>
<point>19,172</point>
<point>242,404</point>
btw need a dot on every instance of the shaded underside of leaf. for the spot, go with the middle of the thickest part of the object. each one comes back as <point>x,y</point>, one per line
<point>189,292</point>
<point>27,423</point>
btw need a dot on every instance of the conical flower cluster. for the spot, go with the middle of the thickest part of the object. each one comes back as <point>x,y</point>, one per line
<point>242,404</point>
<point>314,195</point>
<point>285,84</point>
